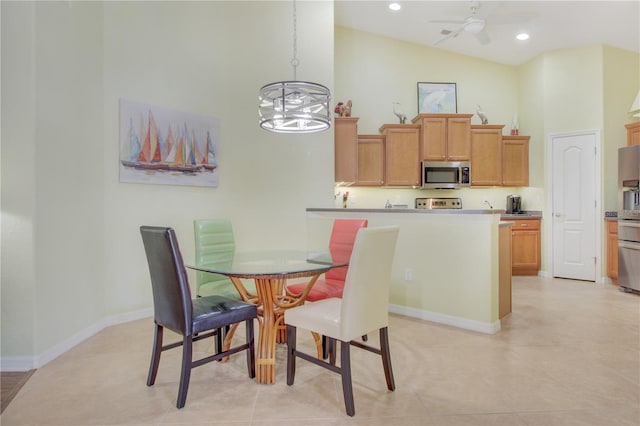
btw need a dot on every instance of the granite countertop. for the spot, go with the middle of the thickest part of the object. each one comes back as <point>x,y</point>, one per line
<point>527,215</point>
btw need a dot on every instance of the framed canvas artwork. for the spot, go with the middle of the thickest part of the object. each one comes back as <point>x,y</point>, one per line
<point>160,145</point>
<point>437,98</point>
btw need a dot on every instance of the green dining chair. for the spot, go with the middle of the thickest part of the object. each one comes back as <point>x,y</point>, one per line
<point>214,242</point>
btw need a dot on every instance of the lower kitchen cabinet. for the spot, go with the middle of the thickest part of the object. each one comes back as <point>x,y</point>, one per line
<point>612,250</point>
<point>525,240</point>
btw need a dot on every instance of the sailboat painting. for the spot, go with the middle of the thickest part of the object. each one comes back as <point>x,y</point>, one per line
<point>159,145</point>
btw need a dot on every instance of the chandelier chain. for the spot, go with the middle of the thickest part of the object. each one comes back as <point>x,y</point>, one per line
<point>295,61</point>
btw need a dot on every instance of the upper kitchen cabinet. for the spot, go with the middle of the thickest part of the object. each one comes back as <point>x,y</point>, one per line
<point>402,153</point>
<point>633,133</point>
<point>515,160</point>
<point>486,155</point>
<point>444,137</point>
<point>370,160</point>
<point>346,149</point>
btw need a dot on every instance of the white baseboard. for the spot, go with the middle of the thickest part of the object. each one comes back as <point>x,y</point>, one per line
<point>25,363</point>
<point>467,324</point>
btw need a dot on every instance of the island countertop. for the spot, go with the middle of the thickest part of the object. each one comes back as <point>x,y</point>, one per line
<point>503,215</point>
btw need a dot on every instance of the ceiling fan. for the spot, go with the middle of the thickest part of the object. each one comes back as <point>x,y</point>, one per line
<point>473,24</point>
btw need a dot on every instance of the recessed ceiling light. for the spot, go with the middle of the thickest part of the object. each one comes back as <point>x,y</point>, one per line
<point>395,6</point>
<point>522,36</point>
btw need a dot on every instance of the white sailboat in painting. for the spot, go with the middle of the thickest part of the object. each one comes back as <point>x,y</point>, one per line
<point>134,147</point>
<point>179,158</point>
<point>209,158</point>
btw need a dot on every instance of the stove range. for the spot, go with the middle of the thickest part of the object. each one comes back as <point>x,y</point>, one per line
<point>438,203</point>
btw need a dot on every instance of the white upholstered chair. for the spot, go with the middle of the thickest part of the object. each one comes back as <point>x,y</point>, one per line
<point>362,309</point>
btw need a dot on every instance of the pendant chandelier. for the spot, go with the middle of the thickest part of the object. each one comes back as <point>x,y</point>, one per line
<point>294,106</point>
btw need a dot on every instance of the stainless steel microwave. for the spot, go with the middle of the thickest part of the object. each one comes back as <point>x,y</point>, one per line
<point>445,174</point>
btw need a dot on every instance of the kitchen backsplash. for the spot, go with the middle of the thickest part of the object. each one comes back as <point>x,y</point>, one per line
<point>472,198</point>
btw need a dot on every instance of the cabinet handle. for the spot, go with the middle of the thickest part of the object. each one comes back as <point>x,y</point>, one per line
<point>524,224</point>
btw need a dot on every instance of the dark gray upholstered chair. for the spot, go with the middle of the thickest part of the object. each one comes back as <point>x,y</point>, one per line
<point>195,319</point>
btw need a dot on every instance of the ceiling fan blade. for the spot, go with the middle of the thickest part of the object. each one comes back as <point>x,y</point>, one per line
<point>483,37</point>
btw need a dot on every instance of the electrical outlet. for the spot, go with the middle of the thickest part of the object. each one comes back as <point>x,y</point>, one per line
<point>408,274</point>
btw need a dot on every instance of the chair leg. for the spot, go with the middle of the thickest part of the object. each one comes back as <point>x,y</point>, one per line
<point>155,355</point>
<point>251,354</point>
<point>332,351</point>
<point>386,358</point>
<point>185,374</point>
<point>345,369</point>
<point>325,349</point>
<point>291,354</point>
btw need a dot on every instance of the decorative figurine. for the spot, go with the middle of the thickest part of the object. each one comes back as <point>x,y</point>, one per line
<point>481,115</point>
<point>397,110</point>
<point>345,110</point>
<point>338,108</point>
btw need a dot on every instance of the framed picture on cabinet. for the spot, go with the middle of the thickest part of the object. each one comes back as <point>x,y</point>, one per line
<point>437,98</point>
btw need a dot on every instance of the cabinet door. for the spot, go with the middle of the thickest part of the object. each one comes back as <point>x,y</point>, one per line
<point>612,250</point>
<point>370,160</point>
<point>526,252</point>
<point>515,162</point>
<point>402,151</point>
<point>434,139</point>
<point>458,139</point>
<point>486,156</point>
<point>633,133</point>
<point>346,149</point>
<point>525,247</point>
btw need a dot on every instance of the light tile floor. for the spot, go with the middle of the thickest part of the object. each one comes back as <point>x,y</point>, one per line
<point>569,354</point>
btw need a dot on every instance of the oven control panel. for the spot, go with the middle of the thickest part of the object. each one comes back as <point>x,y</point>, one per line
<point>438,203</point>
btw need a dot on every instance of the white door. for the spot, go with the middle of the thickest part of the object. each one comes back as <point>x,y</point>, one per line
<point>574,206</point>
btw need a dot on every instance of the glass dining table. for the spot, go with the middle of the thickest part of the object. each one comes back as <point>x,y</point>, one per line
<point>270,269</point>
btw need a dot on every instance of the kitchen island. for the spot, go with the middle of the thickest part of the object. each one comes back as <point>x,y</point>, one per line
<point>447,262</point>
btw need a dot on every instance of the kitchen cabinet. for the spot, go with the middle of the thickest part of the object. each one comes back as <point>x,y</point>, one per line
<point>633,133</point>
<point>515,160</point>
<point>444,137</point>
<point>345,141</point>
<point>402,151</point>
<point>612,250</point>
<point>370,160</point>
<point>525,245</point>
<point>486,155</point>
<point>504,269</point>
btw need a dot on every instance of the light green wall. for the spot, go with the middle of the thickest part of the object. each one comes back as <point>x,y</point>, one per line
<point>375,71</point>
<point>621,76</point>
<point>71,248</point>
